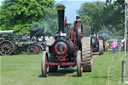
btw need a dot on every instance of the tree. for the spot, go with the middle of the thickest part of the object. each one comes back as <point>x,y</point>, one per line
<point>19,14</point>
<point>114,14</point>
<point>90,13</point>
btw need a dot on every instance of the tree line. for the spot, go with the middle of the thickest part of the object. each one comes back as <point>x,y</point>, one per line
<point>104,16</point>
<point>20,15</point>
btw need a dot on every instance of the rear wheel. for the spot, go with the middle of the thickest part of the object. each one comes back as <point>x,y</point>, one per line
<point>101,47</point>
<point>79,64</point>
<point>32,49</point>
<point>87,54</point>
<point>44,64</point>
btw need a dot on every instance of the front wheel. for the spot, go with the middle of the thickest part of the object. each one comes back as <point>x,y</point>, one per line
<point>79,64</point>
<point>6,47</point>
<point>44,64</point>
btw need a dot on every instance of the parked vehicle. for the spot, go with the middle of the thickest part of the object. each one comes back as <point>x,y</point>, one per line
<point>12,43</point>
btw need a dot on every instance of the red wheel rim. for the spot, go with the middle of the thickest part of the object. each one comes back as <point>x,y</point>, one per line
<point>38,51</point>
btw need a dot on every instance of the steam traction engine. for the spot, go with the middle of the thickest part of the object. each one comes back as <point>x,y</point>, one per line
<point>67,50</point>
<point>12,43</point>
<point>97,43</point>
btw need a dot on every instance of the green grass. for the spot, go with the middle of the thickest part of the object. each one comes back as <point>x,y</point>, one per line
<point>25,70</point>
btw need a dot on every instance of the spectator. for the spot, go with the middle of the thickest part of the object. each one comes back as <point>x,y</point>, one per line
<point>114,46</point>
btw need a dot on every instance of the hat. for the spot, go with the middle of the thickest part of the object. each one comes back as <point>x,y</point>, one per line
<point>77,17</point>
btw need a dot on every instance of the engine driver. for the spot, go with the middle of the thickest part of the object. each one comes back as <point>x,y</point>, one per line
<point>76,24</point>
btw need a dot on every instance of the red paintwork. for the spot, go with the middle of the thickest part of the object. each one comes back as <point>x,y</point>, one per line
<point>65,46</point>
<point>72,46</point>
<point>63,64</point>
<point>76,26</point>
<point>61,58</point>
<point>38,51</point>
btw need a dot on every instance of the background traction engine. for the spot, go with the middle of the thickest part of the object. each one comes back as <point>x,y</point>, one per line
<point>66,51</point>
<point>97,43</point>
<point>12,43</point>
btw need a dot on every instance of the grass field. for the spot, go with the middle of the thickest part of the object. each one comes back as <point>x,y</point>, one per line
<point>25,70</point>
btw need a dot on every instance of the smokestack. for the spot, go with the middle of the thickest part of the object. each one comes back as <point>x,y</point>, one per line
<point>92,30</point>
<point>60,12</point>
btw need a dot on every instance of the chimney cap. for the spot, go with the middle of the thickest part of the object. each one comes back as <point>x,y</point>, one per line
<point>60,7</point>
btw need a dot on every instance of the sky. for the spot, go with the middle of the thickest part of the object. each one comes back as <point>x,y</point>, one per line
<point>71,7</point>
<point>1,2</point>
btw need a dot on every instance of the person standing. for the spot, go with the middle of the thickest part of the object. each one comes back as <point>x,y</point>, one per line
<point>32,33</point>
<point>67,27</point>
<point>76,24</point>
<point>78,29</point>
<point>114,46</point>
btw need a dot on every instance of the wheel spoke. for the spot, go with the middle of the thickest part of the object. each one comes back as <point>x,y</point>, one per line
<point>32,49</point>
<point>6,48</point>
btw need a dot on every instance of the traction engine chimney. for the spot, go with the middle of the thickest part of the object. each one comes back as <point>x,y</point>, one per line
<point>60,12</point>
